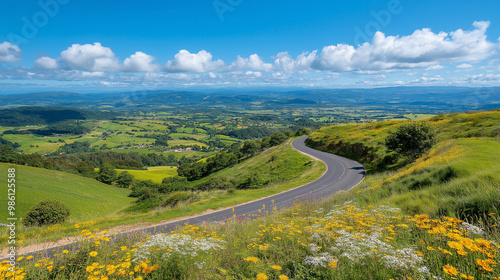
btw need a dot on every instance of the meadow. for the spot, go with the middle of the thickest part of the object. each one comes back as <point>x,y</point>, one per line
<point>155,173</point>
<point>327,239</point>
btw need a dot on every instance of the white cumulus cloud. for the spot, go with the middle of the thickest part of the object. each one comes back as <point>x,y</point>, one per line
<point>140,62</point>
<point>9,52</point>
<point>254,62</point>
<point>200,62</point>
<point>90,57</point>
<point>284,62</point>
<point>423,48</point>
<point>46,62</point>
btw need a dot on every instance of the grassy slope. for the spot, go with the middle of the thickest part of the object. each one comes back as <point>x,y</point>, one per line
<point>86,198</point>
<point>459,176</point>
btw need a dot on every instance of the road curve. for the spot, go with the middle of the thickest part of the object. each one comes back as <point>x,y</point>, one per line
<point>341,174</point>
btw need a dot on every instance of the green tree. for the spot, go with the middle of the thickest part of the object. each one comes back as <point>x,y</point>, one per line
<point>278,138</point>
<point>250,147</point>
<point>124,180</point>
<point>107,173</point>
<point>411,140</point>
<point>303,131</point>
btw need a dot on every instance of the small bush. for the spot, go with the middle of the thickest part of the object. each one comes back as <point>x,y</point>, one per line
<point>46,213</point>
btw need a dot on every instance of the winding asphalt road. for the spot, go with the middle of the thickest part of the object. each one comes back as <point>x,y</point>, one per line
<point>341,174</point>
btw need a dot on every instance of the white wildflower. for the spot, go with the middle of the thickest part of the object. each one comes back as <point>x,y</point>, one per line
<point>471,228</point>
<point>313,247</point>
<point>176,243</point>
<point>323,259</point>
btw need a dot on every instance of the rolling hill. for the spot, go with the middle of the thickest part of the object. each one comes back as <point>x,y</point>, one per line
<point>87,198</point>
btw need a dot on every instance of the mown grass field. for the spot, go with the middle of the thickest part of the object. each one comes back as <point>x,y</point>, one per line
<point>155,173</point>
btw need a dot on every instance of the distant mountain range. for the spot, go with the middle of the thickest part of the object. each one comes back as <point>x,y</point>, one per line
<point>438,99</point>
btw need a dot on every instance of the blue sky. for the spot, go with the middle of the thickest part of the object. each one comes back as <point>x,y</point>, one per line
<point>132,45</point>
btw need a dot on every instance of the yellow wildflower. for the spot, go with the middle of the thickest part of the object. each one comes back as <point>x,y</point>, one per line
<point>252,259</point>
<point>261,276</point>
<point>332,264</point>
<point>448,269</point>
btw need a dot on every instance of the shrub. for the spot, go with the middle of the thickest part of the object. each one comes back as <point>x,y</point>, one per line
<point>172,184</point>
<point>412,139</point>
<point>303,131</point>
<point>46,213</point>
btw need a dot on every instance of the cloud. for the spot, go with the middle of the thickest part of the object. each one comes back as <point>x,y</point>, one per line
<point>464,66</point>
<point>9,52</point>
<point>46,62</point>
<point>89,57</point>
<point>200,62</point>
<point>423,48</point>
<point>434,68</point>
<point>140,62</point>
<point>212,75</point>
<point>427,80</point>
<point>254,62</point>
<point>255,74</point>
<point>284,62</point>
<point>335,58</point>
<point>481,78</point>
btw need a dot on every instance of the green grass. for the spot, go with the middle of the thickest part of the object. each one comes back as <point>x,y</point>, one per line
<point>348,242</point>
<point>44,147</point>
<point>185,143</point>
<point>156,173</point>
<point>87,198</point>
<point>458,177</point>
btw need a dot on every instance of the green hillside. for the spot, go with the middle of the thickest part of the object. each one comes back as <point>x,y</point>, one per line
<point>459,176</point>
<point>86,198</point>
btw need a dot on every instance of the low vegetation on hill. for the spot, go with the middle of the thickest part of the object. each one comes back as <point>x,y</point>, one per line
<point>459,176</point>
<point>327,239</point>
<point>366,142</point>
